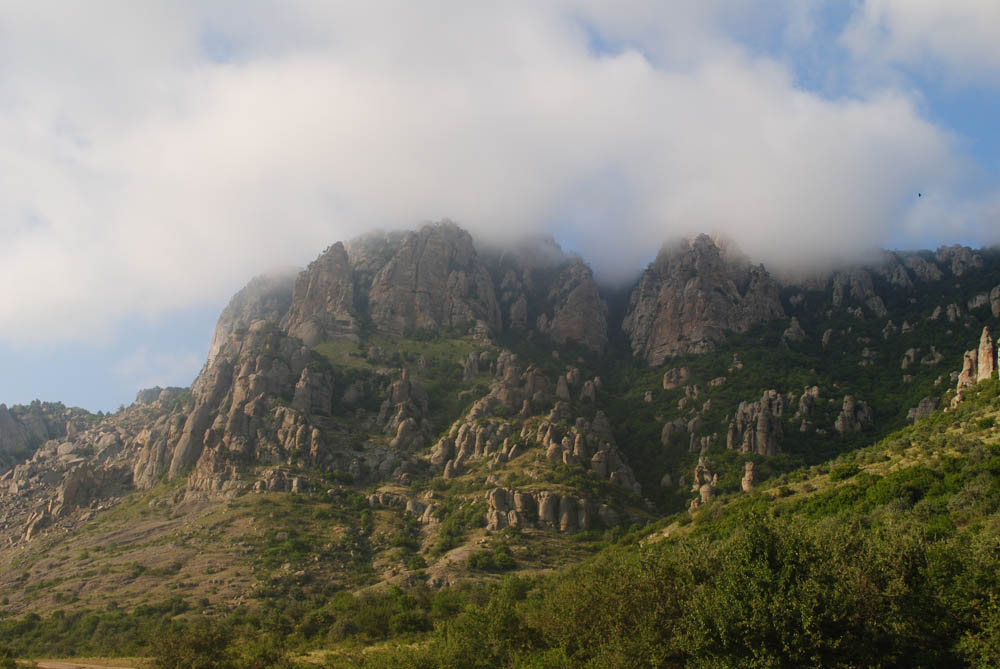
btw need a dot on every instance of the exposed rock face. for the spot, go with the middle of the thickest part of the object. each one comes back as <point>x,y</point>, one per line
<point>158,394</point>
<point>13,435</point>
<point>672,378</point>
<point>434,281</point>
<point>691,295</point>
<point>970,370</point>
<point>542,288</point>
<point>265,298</point>
<point>485,433</point>
<point>923,269</point>
<point>987,358</point>
<point>704,483</point>
<point>960,259</point>
<point>756,427</point>
<point>855,415</point>
<point>749,476</point>
<point>577,311</point>
<point>859,283</point>
<point>322,303</point>
<point>544,509</point>
<point>924,408</point>
<point>977,365</point>
<point>794,332</point>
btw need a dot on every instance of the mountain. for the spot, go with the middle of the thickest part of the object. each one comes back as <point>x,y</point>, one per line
<point>413,411</point>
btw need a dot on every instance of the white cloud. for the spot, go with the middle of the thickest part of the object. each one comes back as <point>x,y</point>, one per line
<point>958,38</point>
<point>157,155</point>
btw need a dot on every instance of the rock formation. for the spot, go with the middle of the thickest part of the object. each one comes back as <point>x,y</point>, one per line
<point>322,303</point>
<point>577,311</point>
<point>545,510</point>
<point>265,298</point>
<point>749,476</point>
<point>987,357</point>
<point>434,281</point>
<point>855,415</point>
<point>756,427</point>
<point>705,483</point>
<point>924,408</point>
<point>691,295</point>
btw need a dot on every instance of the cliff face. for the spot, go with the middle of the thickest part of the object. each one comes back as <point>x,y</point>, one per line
<point>434,281</point>
<point>543,290</point>
<point>268,405</point>
<point>322,302</point>
<point>265,298</point>
<point>691,295</point>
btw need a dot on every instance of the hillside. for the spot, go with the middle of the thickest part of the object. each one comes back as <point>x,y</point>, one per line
<point>375,441</point>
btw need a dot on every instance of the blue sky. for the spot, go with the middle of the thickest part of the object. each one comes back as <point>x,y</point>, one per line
<point>158,155</point>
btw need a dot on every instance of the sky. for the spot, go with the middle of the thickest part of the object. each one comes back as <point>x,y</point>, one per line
<point>157,155</point>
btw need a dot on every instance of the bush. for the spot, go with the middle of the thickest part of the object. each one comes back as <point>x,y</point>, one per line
<point>843,471</point>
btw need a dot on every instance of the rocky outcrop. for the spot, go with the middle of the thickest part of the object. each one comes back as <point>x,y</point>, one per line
<point>794,332</point>
<point>545,510</point>
<point>156,394</point>
<point>960,259</point>
<point>265,298</point>
<point>704,483</point>
<point>756,427</point>
<point>575,310</point>
<point>322,304</point>
<point>749,476</point>
<point>13,435</point>
<point>542,289</point>
<point>987,357</point>
<point>924,408</point>
<point>502,425</point>
<point>855,415</point>
<point>858,284</point>
<point>978,365</point>
<point>434,281</point>
<point>692,294</point>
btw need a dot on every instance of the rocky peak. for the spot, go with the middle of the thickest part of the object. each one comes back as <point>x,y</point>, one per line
<point>323,299</point>
<point>264,298</point>
<point>434,281</point>
<point>692,294</point>
<point>575,310</point>
<point>13,435</point>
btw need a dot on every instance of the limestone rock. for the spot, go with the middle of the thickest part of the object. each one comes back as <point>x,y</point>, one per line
<point>855,415</point>
<point>960,259</point>
<point>674,377</point>
<point>434,281</point>
<point>987,357</point>
<point>576,310</point>
<point>924,408</point>
<point>13,435</point>
<point>756,427</point>
<point>749,476</point>
<point>923,269</point>
<point>794,332</point>
<point>323,299</point>
<point>692,294</point>
<point>265,298</point>
<point>970,370</point>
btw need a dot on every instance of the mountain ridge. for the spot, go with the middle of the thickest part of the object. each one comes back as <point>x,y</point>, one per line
<point>482,393</point>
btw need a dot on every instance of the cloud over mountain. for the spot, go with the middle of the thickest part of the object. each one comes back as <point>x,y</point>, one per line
<point>158,155</point>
